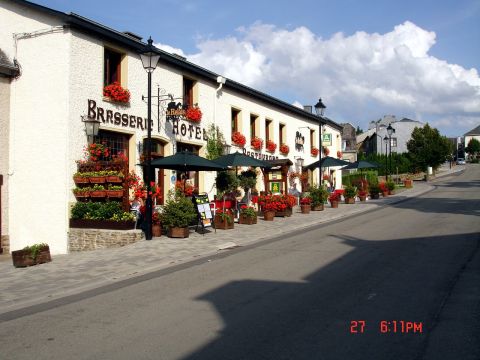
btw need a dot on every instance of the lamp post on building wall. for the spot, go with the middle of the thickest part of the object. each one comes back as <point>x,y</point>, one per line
<point>149,61</point>
<point>385,140</point>
<point>390,131</point>
<point>91,128</point>
<point>320,110</point>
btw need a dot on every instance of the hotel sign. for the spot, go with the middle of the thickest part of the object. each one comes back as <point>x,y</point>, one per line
<point>327,139</point>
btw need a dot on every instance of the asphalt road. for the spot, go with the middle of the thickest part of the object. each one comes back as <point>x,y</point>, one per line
<point>296,297</point>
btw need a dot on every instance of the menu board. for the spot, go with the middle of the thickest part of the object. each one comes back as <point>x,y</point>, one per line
<point>203,209</point>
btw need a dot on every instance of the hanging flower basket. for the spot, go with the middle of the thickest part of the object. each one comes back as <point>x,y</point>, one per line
<point>256,143</point>
<point>314,151</point>
<point>193,114</point>
<point>271,146</point>
<point>284,149</point>
<point>116,92</point>
<point>239,139</point>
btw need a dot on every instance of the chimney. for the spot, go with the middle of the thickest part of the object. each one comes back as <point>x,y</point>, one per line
<point>308,108</point>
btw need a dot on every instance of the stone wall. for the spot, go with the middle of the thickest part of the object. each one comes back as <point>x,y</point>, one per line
<point>92,239</point>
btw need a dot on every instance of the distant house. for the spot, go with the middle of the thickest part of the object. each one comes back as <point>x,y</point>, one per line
<point>372,141</point>
<point>349,142</point>
<point>472,134</point>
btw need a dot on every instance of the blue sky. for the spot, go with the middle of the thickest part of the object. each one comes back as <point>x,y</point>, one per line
<point>417,59</point>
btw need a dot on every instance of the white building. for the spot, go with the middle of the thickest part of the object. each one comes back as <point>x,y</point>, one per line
<point>64,62</point>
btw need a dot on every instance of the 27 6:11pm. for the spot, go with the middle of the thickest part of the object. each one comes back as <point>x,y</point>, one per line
<point>388,326</point>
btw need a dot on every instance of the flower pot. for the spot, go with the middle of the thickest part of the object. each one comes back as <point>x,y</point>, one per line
<point>305,209</point>
<point>113,179</point>
<point>375,196</point>
<point>82,196</point>
<point>23,258</point>
<point>385,193</point>
<point>81,180</point>
<point>156,230</point>
<point>223,224</point>
<point>319,207</point>
<point>114,193</point>
<point>363,197</point>
<point>98,193</point>
<point>268,215</point>
<point>97,179</point>
<point>349,200</point>
<point>391,192</point>
<point>177,232</point>
<point>408,183</point>
<point>334,204</point>
<point>246,220</point>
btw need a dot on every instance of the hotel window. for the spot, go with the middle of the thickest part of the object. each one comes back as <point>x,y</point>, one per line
<point>268,130</point>
<point>188,86</point>
<point>116,142</point>
<point>312,138</point>
<point>235,120</point>
<point>112,67</point>
<point>281,134</point>
<point>253,126</point>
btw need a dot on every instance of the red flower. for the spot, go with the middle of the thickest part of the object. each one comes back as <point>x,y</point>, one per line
<point>115,92</point>
<point>193,114</point>
<point>284,149</point>
<point>239,139</point>
<point>314,151</point>
<point>256,143</point>
<point>271,146</point>
<point>306,201</point>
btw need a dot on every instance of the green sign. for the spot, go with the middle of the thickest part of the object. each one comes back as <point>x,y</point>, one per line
<point>327,139</point>
<point>275,187</point>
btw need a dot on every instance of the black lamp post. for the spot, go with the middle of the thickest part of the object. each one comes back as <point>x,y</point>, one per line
<point>385,139</point>
<point>320,110</point>
<point>390,131</point>
<point>149,61</point>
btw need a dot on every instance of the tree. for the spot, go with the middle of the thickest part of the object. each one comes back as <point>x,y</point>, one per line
<point>358,131</point>
<point>428,148</point>
<point>215,142</point>
<point>473,147</point>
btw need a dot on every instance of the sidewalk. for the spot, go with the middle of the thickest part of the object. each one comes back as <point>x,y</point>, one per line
<point>77,272</point>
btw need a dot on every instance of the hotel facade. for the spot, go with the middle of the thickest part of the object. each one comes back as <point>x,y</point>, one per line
<point>55,68</point>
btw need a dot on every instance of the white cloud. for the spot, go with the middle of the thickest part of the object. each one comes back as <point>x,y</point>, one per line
<point>170,49</point>
<point>360,77</point>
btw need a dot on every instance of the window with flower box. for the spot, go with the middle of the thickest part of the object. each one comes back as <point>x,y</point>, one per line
<point>235,119</point>
<point>268,129</point>
<point>188,92</point>
<point>116,142</point>
<point>282,134</point>
<point>313,142</point>
<point>253,126</point>
<point>112,67</point>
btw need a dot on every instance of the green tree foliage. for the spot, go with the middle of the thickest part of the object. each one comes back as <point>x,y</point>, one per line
<point>400,162</point>
<point>215,142</point>
<point>473,147</point>
<point>358,131</point>
<point>428,148</point>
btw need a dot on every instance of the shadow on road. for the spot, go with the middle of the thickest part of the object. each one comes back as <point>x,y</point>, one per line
<point>408,280</point>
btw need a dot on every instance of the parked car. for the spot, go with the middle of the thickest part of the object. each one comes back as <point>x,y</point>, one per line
<point>460,161</point>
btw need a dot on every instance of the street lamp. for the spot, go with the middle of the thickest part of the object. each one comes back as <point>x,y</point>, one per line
<point>226,148</point>
<point>91,127</point>
<point>390,131</point>
<point>149,61</point>
<point>320,110</point>
<point>385,139</point>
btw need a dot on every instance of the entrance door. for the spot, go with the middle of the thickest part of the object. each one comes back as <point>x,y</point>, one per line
<point>192,177</point>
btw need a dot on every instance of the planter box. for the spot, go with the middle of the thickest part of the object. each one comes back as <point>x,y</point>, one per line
<point>175,232</point>
<point>363,198</point>
<point>223,224</point>
<point>156,230</point>
<point>408,183</point>
<point>305,209</point>
<point>97,179</point>
<point>113,179</point>
<point>81,180</point>
<point>98,193</point>
<point>385,193</point>
<point>114,193</point>
<point>102,224</point>
<point>334,204</point>
<point>349,200</point>
<point>287,213</point>
<point>268,215</point>
<point>320,207</point>
<point>247,220</point>
<point>22,258</point>
<point>82,196</point>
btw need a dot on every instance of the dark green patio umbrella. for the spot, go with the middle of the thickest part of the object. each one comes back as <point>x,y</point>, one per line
<point>361,164</point>
<point>240,159</point>
<point>186,161</point>
<point>327,161</point>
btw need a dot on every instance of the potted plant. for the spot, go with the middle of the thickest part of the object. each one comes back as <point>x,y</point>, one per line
<point>383,189</point>
<point>374,190</point>
<point>390,187</point>
<point>223,219</point>
<point>314,151</point>
<point>284,149</point>
<point>116,92</point>
<point>178,213</point>
<point>156,224</point>
<point>81,178</point>
<point>98,191</point>
<point>270,146</point>
<point>101,215</point>
<point>334,199</point>
<point>350,193</point>
<point>193,114</point>
<point>112,176</point>
<point>256,143</point>
<point>269,211</point>
<point>408,183</point>
<point>114,191</point>
<point>239,139</point>
<point>31,255</point>
<point>97,177</point>
<point>248,216</point>
<point>81,193</point>
<point>319,195</point>
<point>305,204</point>
<point>362,194</point>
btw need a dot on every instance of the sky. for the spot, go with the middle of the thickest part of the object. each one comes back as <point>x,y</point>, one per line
<point>365,59</point>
